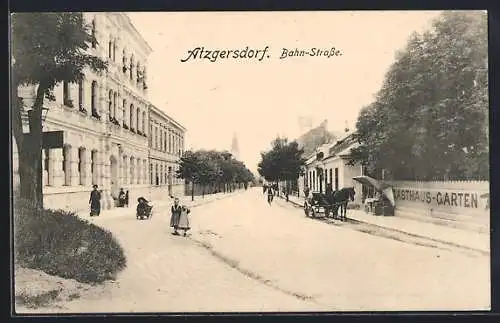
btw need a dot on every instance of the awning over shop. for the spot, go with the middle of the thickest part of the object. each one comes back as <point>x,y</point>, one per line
<point>385,189</point>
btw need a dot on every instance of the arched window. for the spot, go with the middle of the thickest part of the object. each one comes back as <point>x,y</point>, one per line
<point>110,109</point>
<point>157,179</point>
<point>80,94</point>
<point>66,164</point>
<point>131,116</point>
<point>124,112</point>
<point>137,116</point>
<point>138,72</point>
<point>94,98</point>
<point>66,95</point>
<point>124,61</point>
<point>81,165</point>
<point>94,40</point>
<point>110,48</point>
<point>115,97</point>
<point>144,122</point>
<point>156,138</point>
<point>151,135</point>
<point>161,140</point>
<point>131,67</point>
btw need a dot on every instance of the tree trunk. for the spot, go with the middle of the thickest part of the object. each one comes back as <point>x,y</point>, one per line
<point>30,150</point>
<point>203,190</point>
<point>192,191</point>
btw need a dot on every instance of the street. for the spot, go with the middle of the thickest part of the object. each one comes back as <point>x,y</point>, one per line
<point>245,255</point>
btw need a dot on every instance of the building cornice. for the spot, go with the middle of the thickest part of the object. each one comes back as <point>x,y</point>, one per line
<point>169,119</point>
<point>127,22</point>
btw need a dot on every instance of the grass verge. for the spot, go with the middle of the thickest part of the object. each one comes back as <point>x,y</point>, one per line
<point>59,243</point>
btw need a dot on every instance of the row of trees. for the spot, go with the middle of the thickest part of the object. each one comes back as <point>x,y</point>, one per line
<point>430,118</point>
<point>215,171</point>
<point>284,162</point>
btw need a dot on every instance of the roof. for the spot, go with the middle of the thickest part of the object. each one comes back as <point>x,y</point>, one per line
<point>137,35</point>
<point>167,117</point>
<point>347,150</point>
<point>340,148</point>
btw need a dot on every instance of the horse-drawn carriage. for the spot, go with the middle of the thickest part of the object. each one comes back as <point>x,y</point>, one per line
<point>316,204</point>
<point>326,203</point>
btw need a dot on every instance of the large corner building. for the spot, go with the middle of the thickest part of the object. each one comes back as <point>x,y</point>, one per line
<point>113,136</point>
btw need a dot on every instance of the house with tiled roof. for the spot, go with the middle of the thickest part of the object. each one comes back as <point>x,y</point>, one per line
<point>328,164</point>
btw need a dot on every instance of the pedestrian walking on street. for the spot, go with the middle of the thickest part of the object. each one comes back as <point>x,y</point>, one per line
<point>176,211</point>
<point>270,195</point>
<point>306,192</point>
<point>126,198</point>
<point>95,201</point>
<point>184,220</point>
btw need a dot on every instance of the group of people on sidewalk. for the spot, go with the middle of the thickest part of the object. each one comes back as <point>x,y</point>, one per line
<point>272,190</point>
<point>179,219</point>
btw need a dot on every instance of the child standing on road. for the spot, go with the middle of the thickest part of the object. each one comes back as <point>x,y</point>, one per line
<point>184,220</point>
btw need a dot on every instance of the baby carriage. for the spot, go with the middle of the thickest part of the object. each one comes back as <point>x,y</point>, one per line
<point>144,210</point>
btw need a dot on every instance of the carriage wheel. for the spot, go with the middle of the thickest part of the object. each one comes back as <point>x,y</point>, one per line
<point>313,213</point>
<point>306,209</point>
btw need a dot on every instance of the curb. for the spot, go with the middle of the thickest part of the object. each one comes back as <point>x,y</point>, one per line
<point>409,233</point>
<point>203,202</point>
<point>159,204</point>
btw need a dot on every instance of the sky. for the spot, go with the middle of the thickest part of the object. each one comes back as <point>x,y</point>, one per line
<point>258,100</point>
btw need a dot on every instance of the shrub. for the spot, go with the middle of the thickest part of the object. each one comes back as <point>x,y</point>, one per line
<point>61,244</point>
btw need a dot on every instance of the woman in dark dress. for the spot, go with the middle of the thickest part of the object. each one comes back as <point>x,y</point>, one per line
<point>95,202</point>
<point>176,210</point>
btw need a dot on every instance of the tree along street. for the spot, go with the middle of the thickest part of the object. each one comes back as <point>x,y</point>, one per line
<point>245,255</point>
<point>430,118</point>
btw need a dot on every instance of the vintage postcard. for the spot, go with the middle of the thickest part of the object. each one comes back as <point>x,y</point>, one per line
<point>325,161</point>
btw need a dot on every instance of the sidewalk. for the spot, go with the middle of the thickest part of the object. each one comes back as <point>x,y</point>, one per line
<point>437,232</point>
<point>158,205</point>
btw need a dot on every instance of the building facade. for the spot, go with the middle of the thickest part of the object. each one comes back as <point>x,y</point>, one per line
<point>328,165</point>
<point>166,145</point>
<point>105,119</point>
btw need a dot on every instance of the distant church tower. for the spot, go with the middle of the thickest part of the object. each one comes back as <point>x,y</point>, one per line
<point>235,150</point>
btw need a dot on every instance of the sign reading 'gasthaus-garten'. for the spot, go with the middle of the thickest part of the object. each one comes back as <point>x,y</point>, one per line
<point>442,198</point>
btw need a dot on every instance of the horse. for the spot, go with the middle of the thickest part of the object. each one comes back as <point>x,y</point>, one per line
<point>339,199</point>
